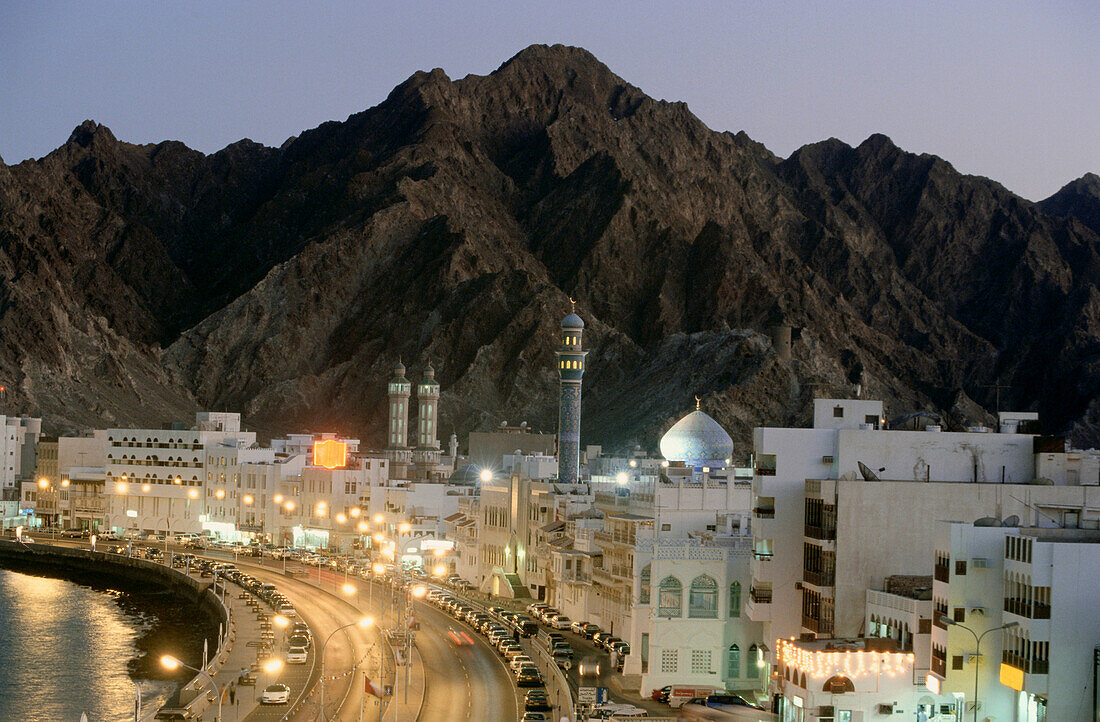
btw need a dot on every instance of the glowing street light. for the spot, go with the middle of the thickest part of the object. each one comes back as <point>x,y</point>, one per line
<point>273,665</point>
<point>486,475</point>
<point>193,493</point>
<point>248,499</point>
<point>220,493</point>
<point>439,570</point>
<point>281,621</point>
<point>378,519</point>
<point>404,527</point>
<point>350,589</point>
<point>439,552</point>
<point>378,537</point>
<point>145,488</point>
<point>177,481</point>
<point>278,499</point>
<point>379,568</point>
<point>320,510</point>
<point>341,518</point>
<point>621,477</point>
<point>356,511</point>
<point>363,527</point>
<point>419,591</point>
<point>171,662</point>
<point>43,483</point>
<point>120,487</point>
<point>289,506</point>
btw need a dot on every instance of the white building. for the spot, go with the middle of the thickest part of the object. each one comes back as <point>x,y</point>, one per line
<point>18,441</point>
<point>1041,667</point>
<point>155,478</point>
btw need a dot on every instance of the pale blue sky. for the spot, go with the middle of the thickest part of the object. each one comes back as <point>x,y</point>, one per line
<point>1009,90</point>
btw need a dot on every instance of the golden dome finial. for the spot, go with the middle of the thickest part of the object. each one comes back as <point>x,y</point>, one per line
<point>572,305</point>
<point>697,403</point>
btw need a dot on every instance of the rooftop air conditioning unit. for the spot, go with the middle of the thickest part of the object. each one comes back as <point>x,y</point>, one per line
<point>826,459</point>
<point>886,709</point>
<point>979,563</point>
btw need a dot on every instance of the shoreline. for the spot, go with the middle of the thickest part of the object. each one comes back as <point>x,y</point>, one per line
<point>162,622</point>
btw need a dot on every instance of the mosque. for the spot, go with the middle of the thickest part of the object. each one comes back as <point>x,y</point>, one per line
<point>695,442</point>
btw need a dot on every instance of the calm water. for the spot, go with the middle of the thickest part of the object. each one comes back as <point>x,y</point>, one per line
<point>68,647</point>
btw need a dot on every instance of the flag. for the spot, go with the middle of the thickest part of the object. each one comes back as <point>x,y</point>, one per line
<point>371,688</point>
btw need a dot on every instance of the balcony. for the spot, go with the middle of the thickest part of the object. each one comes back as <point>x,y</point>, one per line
<point>760,596</point>
<point>1025,608</point>
<point>938,617</point>
<point>764,512</point>
<point>763,471</point>
<point>1028,666</point>
<point>939,666</point>
<point>82,505</point>
<point>819,579</point>
<point>823,533</point>
<point>941,573</point>
<point>819,626</point>
<point>762,556</point>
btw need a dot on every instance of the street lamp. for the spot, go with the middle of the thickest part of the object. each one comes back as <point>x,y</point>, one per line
<point>171,662</point>
<point>486,475</point>
<point>364,623</point>
<point>978,651</point>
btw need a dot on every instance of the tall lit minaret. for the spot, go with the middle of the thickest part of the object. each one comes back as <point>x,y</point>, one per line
<point>397,434</point>
<point>570,371</point>
<point>427,398</point>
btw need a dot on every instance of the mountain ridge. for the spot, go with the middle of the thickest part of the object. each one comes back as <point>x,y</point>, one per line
<point>454,219</point>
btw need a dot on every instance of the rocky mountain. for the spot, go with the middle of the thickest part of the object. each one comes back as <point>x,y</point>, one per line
<point>454,220</point>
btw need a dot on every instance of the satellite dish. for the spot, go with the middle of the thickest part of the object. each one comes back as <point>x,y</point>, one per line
<point>848,476</point>
<point>866,471</point>
<point>1012,521</point>
<point>987,521</point>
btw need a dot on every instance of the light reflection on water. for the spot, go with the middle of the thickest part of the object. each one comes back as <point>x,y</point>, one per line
<point>64,650</point>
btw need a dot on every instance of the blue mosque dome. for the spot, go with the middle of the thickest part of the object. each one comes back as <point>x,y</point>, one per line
<point>572,321</point>
<point>698,441</point>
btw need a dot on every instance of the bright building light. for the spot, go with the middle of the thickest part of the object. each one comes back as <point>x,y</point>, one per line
<point>278,499</point>
<point>362,527</point>
<point>349,589</point>
<point>439,571</point>
<point>621,477</point>
<point>194,493</point>
<point>120,487</point>
<point>485,475</point>
<point>273,665</point>
<point>220,493</point>
<point>281,621</point>
<point>378,518</point>
<point>43,483</point>
<point>355,512</point>
<point>366,622</point>
<point>404,528</point>
<point>169,661</point>
<point>248,499</point>
<point>146,488</point>
<point>419,591</point>
<point>341,519</point>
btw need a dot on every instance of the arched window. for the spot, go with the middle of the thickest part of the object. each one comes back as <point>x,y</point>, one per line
<point>752,671</point>
<point>733,662</point>
<point>643,590</point>
<point>670,597</point>
<point>703,599</point>
<point>735,599</point>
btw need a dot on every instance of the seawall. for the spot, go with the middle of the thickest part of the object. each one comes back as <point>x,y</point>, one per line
<point>69,560</point>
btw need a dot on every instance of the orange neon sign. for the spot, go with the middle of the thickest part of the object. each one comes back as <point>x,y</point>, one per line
<point>330,454</point>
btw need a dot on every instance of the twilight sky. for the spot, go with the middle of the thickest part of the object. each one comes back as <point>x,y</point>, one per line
<point>1006,89</point>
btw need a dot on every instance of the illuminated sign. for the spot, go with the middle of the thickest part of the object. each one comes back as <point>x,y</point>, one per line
<point>1012,677</point>
<point>932,682</point>
<point>131,513</point>
<point>825,663</point>
<point>330,454</point>
<point>434,544</point>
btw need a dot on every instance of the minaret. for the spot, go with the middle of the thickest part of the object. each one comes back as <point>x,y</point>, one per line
<point>452,448</point>
<point>570,371</point>
<point>397,434</point>
<point>427,445</point>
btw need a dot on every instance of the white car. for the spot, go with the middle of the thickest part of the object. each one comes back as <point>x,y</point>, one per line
<point>560,622</point>
<point>275,694</point>
<point>296,655</point>
<point>520,660</point>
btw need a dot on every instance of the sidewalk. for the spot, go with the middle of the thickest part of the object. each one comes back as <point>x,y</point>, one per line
<point>242,650</point>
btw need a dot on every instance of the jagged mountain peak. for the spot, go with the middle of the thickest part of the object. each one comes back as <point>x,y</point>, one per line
<point>454,220</point>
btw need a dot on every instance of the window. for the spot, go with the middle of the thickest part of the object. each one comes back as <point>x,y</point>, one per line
<point>733,662</point>
<point>703,599</point>
<point>838,412</point>
<point>752,671</point>
<point>643,589</point>
<point>960,614</point>
<point>670,597</point>
<point>960,567</point>
<point>957,662</point>
<point>669,659</point>
<point>735,599</point>
<point>700,661</point>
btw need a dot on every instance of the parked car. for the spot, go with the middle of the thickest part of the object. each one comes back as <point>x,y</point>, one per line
<point>560,621</point>
<point>296,655</point>
<point>275,694</point>
<point>590,630</point>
